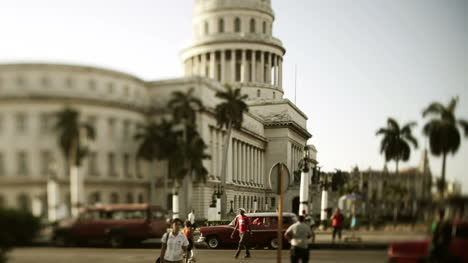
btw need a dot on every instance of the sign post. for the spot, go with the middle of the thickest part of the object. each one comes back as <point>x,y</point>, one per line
<point>280,212</point>
<point>279,182</point>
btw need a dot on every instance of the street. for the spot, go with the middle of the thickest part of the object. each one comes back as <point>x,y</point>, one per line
<point>107,255</point>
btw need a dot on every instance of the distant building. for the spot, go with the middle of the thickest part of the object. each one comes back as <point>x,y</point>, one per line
<point>375,187</point>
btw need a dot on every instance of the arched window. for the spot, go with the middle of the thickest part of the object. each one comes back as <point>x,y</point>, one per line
<point>129,198</point>
<point>95,198</point>
<point>221,25</point>
<point>114,198</point>
<point>235,203</point>
<point>252,25</point>
<point>258,93</point>
<point>264,27</point>
<point>274,95</point>
<point>207,28</point>
<point>237,25</point>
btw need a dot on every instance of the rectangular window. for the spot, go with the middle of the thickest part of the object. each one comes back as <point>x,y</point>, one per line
<point>45,123</point>
<point>111,127</point>
<point>111,164</point>
<point>21,123</point>
<point>138,168</point>
<point>92,164</point>
<point>126,129</point>
<point>126,165</point>
<point>22,163</point>
<point>46,158</point>
<point>92,121</point>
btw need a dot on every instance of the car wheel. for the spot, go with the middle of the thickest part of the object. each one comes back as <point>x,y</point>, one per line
<point>213,242</point>
<point>116,240</point>
<point>273,243</point>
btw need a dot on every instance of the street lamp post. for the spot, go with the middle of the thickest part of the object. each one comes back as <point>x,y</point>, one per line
<point>304,186</point>
<point>219,191</point>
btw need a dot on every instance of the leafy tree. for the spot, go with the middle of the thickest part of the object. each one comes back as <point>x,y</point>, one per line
<point>229,114</point>
<point>186,158</point>
<point>157,141</point>
<point>443,132</point>
<point>73,137</point>
<point>396,142</point>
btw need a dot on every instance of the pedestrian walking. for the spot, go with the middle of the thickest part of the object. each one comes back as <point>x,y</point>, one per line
<point>191,218</point>
<point>188,232</point>
<point>174,244</point>
<point>245,232</point>
<point>337,224</point>
<point>309,220</point>
<point>298,235</point>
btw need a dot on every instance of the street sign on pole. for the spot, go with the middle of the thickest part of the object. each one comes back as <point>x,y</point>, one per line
<point>275,175</point>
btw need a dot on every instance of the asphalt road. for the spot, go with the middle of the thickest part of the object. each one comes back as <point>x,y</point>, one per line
<point>107,255</point>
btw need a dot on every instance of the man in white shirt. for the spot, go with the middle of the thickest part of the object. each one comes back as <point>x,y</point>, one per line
<point>174,244</point>
<point>191,218</point>
<point>298,235</point>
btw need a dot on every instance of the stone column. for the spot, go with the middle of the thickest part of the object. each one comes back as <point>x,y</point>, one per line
<point>213,65</point>
<point>277,71</point>
<point>280,74</point>
<point>233,66</point>
<point>203,65</point>
<point>223,66</point>
<point>244,66</point>
<point>244,156</point>
<point>253,60</point>
<point>262,67</point>
<point>268,69</point>
<point>234,160</point>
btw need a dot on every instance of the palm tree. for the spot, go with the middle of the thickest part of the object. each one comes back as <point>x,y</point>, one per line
<point>229,114</point>
<point>189,149</point>
<point>72,138</point>
<point>443,133</point>
<point>395,143</point>
<point>156,140</point>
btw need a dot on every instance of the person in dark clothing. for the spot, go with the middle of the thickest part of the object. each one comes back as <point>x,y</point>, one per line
<point>441,238</point>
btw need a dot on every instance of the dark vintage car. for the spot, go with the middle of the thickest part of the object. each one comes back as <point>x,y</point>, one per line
<point>264,231</point>
<point>118,225</point>
<point>418,251</point>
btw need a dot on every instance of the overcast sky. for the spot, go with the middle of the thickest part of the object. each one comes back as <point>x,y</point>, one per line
<point>358,62</point>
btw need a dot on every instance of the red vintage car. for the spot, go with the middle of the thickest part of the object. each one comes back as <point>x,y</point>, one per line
<point>118,225</point>
<point>418,251</point>
<point>264,231</point>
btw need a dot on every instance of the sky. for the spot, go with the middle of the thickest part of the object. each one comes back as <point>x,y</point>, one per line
<point>358,62</point>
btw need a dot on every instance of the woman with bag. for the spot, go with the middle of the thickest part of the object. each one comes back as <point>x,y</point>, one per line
<point>188,232</point>
<point>174,244</point>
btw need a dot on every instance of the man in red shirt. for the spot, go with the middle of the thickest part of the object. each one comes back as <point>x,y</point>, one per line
<point>243,223</point>
<point>337,222</point>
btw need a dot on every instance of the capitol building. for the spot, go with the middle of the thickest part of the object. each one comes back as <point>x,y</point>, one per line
<point>232,43</point>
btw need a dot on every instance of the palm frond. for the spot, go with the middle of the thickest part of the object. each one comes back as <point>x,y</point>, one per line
<point>434,108</point>
<point>464,124</point>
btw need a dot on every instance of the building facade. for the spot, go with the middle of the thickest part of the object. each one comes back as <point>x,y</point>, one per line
<point>232,44</point>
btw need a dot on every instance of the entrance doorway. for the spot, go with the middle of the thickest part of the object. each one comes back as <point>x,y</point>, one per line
<point>295,205</point>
